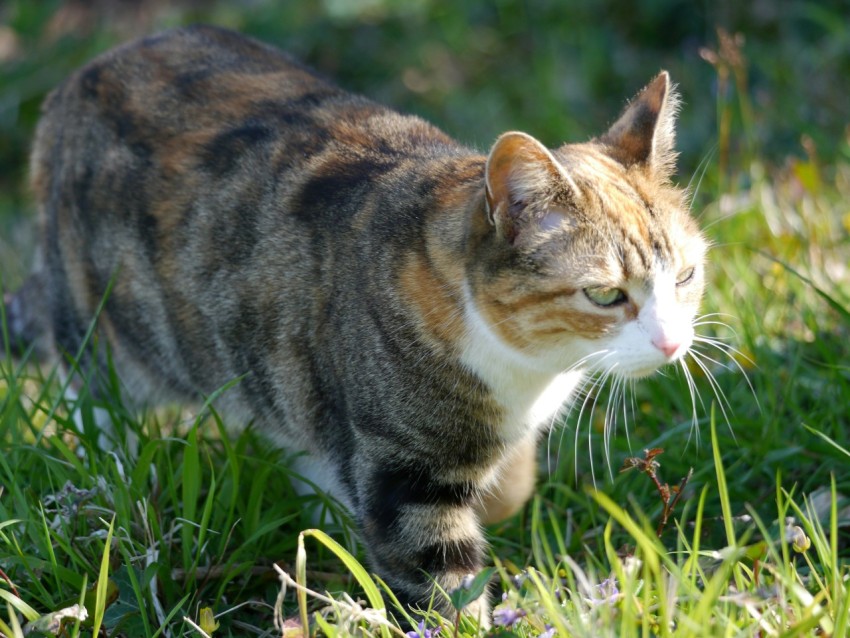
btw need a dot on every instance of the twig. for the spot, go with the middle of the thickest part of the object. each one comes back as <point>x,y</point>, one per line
<point>11,584</point>
<point>669,496</point>
<point>670,505</point>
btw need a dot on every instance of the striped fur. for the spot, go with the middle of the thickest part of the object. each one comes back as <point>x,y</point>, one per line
<point>408,311</point>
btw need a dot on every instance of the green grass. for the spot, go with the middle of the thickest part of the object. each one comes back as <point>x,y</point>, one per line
<point>183,518</point>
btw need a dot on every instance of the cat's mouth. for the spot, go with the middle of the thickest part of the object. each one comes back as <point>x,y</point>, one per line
<point>641,373</point>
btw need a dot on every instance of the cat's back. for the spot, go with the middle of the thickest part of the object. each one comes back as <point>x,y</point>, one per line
<point>187,79</point>
<point>203,111</point>
<point>222,193</point>
<point>182,97</point>
<point>211,93</point>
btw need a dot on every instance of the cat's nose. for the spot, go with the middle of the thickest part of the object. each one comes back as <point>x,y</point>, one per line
<point>667,346</point>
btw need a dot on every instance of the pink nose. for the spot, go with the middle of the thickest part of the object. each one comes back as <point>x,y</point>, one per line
<point>669,348</point>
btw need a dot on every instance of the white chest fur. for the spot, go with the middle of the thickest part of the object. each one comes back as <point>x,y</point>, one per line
<point>530,394</point>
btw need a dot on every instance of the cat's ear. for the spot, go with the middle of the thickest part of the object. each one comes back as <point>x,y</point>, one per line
<point>645,133</point>
<point>521,172</point>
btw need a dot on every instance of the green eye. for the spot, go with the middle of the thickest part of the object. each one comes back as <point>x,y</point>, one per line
<point>685,276</point>
<point>604,295</point>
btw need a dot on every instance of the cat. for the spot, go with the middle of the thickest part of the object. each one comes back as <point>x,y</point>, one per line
<point>411,313</point>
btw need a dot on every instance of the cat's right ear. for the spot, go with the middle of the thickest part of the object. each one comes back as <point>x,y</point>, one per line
<point>644,135</point>
<point>521,172</point>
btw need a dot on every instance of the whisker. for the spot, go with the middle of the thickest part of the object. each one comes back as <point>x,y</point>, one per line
<point>634,411</point>
<point>716,314</point>
<point>714,323</point>
<point>722,400</point>
<point>726,244</point>
<point>724,347</point>
<point>728,350</point>
<point>617,400</point>
<point>714,361</point>
<point>561,413</point>
<point>628,403</point>
<point>720,219</point>
<point>714,319</point>
<point>610,427</point>
<point>597,383</point>
<point>702,168</point>
<point>694,392</point>
<point>605,426</point>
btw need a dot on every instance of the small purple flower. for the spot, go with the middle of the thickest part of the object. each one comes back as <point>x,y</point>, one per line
<point>549,633</point>
<point>605,592</point>
<point>507,616</point>
<point>421,632</point>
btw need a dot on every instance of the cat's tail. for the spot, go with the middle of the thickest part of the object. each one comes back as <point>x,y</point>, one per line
<point>24,323</point>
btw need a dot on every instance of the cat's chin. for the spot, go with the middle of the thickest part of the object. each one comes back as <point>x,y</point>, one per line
<point>642,372</point>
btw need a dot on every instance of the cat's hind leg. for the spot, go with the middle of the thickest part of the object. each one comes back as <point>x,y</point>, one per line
<point>514,484</point>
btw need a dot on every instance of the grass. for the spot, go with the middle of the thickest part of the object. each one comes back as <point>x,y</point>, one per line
<point>740,527</point>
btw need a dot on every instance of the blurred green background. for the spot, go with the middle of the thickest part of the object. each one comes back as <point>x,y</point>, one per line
<point>558,69</point>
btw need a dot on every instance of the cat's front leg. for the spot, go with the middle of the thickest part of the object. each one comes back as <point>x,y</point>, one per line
<point>423,529</point>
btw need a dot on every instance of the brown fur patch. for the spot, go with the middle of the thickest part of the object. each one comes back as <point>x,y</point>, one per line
<point>504,322</point>
<point>584,324</point>
<point>538,298</point>
<point>434,300</point>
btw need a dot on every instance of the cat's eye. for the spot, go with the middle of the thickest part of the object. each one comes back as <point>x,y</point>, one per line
<point>685,276</point>
<point>605,295</point>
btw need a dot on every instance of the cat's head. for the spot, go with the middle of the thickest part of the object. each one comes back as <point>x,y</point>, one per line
<point>591,250</point>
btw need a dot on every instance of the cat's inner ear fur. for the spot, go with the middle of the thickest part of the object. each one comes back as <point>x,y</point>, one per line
<point>645,135</point>
<point>525,186</point>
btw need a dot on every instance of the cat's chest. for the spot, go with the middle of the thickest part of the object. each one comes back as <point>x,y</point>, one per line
<point>530,401</point>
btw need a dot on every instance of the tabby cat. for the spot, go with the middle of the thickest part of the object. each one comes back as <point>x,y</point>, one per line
<point>409,312</point>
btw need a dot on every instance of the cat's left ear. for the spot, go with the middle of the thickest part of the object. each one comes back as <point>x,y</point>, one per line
<point>645,135</point>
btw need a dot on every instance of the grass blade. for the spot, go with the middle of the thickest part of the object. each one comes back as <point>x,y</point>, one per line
<point>301,579</point>
<point>191,489</point>
<point>102,582</point>
<point>722,487</point>
<point>652,553</point>
<point>29,613</point>
<point>841,449</point>
<point>833,303</point>
<point>370,588</point>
